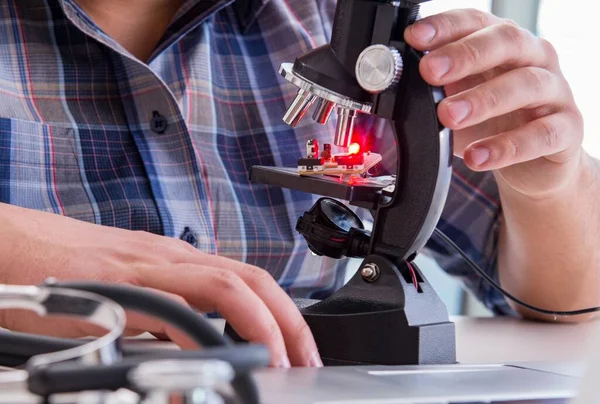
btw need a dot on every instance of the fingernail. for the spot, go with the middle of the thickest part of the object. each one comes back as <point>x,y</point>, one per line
<point>480,155</point>
<point>315,360</point>
<point>439,65</point>
<point>423,32</point>
<point>284,362</point>
<point>459,110</point>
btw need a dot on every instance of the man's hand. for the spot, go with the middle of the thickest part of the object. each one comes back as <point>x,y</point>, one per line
<point>513,113</point>
<point>39,245</point>
<point>510,106</point>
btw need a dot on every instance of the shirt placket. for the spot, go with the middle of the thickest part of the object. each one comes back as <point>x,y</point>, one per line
<point>163,141</point>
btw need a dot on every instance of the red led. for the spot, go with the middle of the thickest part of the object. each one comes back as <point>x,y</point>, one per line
<point>354,148</point>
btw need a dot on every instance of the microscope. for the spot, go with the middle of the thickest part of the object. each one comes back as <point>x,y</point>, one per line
<point>388,313</point>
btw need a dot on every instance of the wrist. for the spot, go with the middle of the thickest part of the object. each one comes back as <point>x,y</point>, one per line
<point>543,238</point>
<point>568,182</point>
<point>538,230</point>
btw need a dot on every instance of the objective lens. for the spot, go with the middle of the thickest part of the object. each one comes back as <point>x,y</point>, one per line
<point>299,108</point>
<point>323,111</point>
<point>345,127</point>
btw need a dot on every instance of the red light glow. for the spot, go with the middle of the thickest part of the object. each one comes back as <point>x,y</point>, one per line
<point>354,148</point>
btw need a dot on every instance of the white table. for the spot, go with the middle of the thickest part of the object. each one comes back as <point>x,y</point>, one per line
<point>493,340</point>
<point>497,339</point>
<point>482,341</point>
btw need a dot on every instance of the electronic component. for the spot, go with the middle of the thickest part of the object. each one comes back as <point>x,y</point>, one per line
<point>354,148</point>
<point>351,163</point>
<point>310,164</point>
<point>312,148</point>
<point>350,160</point>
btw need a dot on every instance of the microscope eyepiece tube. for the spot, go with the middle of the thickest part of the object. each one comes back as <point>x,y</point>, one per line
<point>345,127</point>
<point>299,108</point>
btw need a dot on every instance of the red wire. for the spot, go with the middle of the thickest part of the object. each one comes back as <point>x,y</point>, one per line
<point>414,275</point>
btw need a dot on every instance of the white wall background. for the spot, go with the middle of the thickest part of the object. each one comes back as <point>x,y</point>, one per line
<point>438,6</point>
<point>573,29</point>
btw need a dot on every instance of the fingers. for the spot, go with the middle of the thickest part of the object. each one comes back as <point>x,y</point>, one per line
<point>548,137</point>
<point>528,87</point>
<point>468,42</point>
<point>211,289</point>
<point>502,45</point>
<point>301,346</point>
<point>138,323</point>
<point>442,29</point>
<point>300,343</point>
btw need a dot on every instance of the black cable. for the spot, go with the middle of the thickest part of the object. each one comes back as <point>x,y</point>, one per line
<point>28,345</point>
<point>157,306</point>
<point>17,348</point>
<point>173,313</point>
<point>69,377</point>
<point>12,361</point>
<point>495,285</point>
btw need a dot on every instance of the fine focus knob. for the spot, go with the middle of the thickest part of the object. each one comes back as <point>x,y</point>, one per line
<point>378,68</point>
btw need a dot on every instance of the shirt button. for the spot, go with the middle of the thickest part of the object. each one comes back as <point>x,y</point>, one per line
<point>158,124</point>
<point>189,237</point>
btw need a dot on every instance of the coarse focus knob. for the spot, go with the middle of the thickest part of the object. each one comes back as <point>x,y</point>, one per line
<point>378,68</point>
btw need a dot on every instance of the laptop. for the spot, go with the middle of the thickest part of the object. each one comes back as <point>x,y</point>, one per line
<point>507,383</point>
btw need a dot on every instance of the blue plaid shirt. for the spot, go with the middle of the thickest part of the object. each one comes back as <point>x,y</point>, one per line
<point>88,131</point>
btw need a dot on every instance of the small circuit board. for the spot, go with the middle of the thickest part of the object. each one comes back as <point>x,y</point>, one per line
<point>325,163</point>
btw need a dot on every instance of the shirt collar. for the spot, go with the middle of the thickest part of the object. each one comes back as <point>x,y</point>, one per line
<point>247,11</point>
<point>191,13</point>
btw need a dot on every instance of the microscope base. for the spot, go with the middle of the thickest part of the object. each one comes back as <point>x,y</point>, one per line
<point>386,321</point>
<point>399,344</point>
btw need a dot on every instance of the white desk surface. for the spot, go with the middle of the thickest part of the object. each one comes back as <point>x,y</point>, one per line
<point>502,340</point>
<point>493,340</point>
<point>499,340</point>
<point>546,347</point>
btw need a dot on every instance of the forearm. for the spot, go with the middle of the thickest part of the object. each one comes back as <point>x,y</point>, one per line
<point>548,248</point>
<point>11,249</point>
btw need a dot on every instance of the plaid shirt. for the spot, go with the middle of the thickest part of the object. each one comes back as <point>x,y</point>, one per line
<point>88,131</point>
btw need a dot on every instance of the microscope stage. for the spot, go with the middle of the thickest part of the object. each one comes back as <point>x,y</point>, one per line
<point>362,192</point>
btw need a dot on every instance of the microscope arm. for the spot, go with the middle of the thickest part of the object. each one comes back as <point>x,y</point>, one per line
<point>403,225</point>
<point>368,44</point>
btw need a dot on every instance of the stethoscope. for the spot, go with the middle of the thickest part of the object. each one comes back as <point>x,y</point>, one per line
<point>103,370</point>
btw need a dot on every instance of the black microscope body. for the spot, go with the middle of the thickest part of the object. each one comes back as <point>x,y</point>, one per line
<point>379,317</point>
